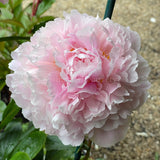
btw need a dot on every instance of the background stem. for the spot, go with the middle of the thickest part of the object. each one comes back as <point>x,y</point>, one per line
<point>35,7</point>
<point>109,9</point>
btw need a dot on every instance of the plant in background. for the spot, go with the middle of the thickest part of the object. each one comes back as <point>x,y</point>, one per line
<point>78,78</point>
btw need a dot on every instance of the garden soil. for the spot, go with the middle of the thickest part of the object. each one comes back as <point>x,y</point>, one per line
<point>142,141</point>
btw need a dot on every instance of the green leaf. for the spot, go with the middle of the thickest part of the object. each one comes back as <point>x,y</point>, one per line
<point>2,84</point>
<point>2,44</point>
<point>3,68</point>
<point>6,14</point>
<point>25,20</point>
<point>45,19</point>
<point>12,135</point>
<point>31,144</point>
<point>12,22</point>
<point>52,155</point>
<point>9,139</point>
<point>14,3</point>
<point>17,12</point>
<point>9,113</point>
<point>41,22</point>
<point>27,129</point>
<point>20,156</point>
<point>40,155</point>
<point>57,150</point>
<point>2,108</point>
<point>157,156</point>
<point>2,5</point>
<point>4,33</point>
<point>53,143</point>
<point>44,6</point>
<point>60,155</point>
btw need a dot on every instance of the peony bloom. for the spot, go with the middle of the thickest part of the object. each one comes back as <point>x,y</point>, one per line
<point>80,77</point>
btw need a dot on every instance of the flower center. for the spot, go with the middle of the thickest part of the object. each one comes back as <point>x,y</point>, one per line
<point>106,55</point>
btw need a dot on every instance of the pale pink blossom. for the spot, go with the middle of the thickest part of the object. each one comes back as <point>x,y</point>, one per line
<point>80,77</point>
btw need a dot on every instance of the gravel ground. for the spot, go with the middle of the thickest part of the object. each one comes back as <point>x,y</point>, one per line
<point>142,141</point>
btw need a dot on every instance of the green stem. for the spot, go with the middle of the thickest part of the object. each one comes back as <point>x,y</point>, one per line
<point>14,38</point>
<point>86,145</point>
<point>78,153</point>
<point>44,152</point>
<point>88,150</point>
<point>109,9</point>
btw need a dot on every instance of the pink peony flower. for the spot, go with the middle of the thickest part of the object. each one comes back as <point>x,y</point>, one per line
<point>80,77</point>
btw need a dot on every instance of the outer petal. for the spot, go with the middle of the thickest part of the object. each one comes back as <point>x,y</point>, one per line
<point>108,138</point>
